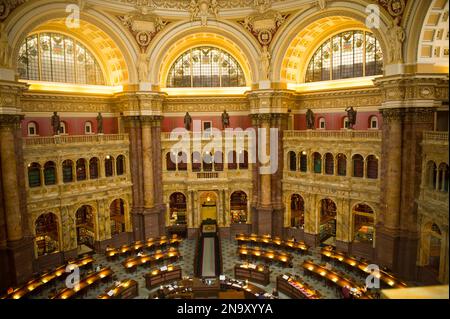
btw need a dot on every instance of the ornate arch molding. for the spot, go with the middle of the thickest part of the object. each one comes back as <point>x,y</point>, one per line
<point>30,16</point>
<point>415,17</point>
<point>178,38</point>
<point>283,47</point>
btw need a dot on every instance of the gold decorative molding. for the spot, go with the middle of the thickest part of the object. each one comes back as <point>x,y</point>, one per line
<point>413,87</point>
<point>143,25</point>
<point>339,99</point>
<point>205,104</point>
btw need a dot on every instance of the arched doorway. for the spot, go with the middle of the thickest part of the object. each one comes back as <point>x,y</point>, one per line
<point>208,206</point>
<point>434,257</point>
<point>177,207</point>
<point>297,211</point>
<point>327,220</point>
<point>238,207</point>
<point>85,226</point>
<point>46,229</point>
<point>363,223</point>
<point>117,216</point>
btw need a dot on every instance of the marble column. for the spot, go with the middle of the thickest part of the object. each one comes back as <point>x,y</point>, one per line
<point>147,154</point>
<point>9,178</point>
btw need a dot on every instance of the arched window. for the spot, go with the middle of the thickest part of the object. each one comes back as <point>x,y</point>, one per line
<point>317,162</point>
<point>358,166</point>
<point>85,226</point>
<point>109,163</point>
<point>348,54</point>
<point>50,173</point>
<point>363,223</point>
<point>322,123</point>
<point>196,162</point>
<point>372,167</point>
<point>34,175</point>
<point>32,129</point>
<point>329,164</point>
<point>218,161</point>
<point>177,206</point>
<point>117,216</point>
<point>303,162</point>
<point>170,164</point>
<point>182,161</point>
<point>373,122</point>
<point>120,165</point>
<point>342,165</point>
<point>238,207</point>
<point>81,169</point>
<point>434,248</point>
<point>46,228</point>
<point>67,170</point>
<point>232,160</point>
<point>443,177</point>
<point>93,168</point>
<point>88,128</point>
<point>431,175</point>
<point>345,123</point>
<point>54,57</point>
<point>328,213</point>
<point>206,67</point>
<point>297,211</point>
<point>243,160</point>
<point>62,128</point>
<point>292,161</point>
<point>207,162</point>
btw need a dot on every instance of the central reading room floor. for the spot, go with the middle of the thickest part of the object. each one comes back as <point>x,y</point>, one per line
<point>230,259</point>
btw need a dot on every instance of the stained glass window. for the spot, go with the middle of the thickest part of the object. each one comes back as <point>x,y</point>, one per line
<point>55,57</point>
<point>346,55</point>
<point>206,67</point>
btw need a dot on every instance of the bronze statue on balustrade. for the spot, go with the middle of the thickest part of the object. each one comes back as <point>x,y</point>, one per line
<point>56,123</point>
<point>99,123</point>
<point>187,121</point>
<point>351,114</point>
<point>310,119</point>
<point>225,119</point>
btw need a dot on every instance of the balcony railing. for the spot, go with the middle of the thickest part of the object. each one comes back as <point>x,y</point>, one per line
<point>334,135</point>
<point>165,136</point>
<point>208,175</point>
<point>436,137</point>
<point>75,139</point>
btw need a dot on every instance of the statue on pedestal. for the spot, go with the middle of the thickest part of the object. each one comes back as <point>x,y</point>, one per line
<point>265,63</point>
<point>396,36</point>
<point>351,114</point>
<point>99,123</point>
<point>56,123</point>
<point>187,121</point>
<point>225,119</point>
<point>310,119</point>
<point>4,47</point>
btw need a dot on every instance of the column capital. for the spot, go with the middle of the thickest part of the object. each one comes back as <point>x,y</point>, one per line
<point>413,90</point>
<point>10,121</point>
<point>271,101</point>
<point>141,103</point>
<point>10,96</point>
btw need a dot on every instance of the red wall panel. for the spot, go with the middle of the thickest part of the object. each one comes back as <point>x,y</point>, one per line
<point>171,123</point>
<point>74,125</point>
<point>335,121</point>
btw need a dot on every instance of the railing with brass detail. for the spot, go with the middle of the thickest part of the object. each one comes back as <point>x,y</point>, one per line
<point>75,139</point>
<point>207,175</point>
<point>334,135</point>
<point>435,137</point>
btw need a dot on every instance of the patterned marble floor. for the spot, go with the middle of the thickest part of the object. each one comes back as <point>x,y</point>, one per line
<point>230,258</point>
